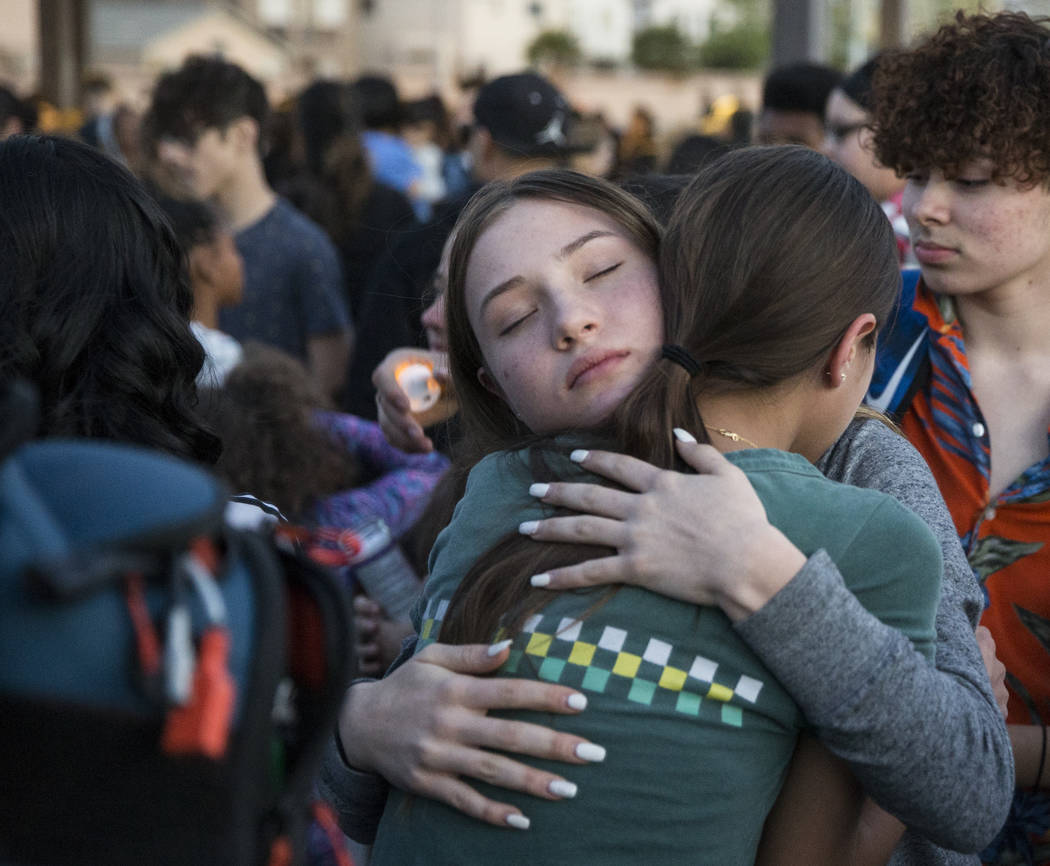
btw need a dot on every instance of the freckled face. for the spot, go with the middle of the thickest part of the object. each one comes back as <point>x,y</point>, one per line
<point>566,310</point>
<point>973,235</point>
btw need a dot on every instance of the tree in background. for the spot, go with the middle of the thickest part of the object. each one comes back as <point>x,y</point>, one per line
<point>664,48</point>
<point>739,37</point>
<point>557,47</point>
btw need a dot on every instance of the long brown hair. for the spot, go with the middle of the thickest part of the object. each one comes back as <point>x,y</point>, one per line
<point>770,255</point>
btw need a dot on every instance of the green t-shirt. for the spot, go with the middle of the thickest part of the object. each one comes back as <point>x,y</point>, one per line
<point>698,733</point>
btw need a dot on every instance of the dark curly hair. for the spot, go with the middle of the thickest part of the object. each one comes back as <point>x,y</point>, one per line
<point>265,413</point>
<point>978,87</point>
<point>94,303</point>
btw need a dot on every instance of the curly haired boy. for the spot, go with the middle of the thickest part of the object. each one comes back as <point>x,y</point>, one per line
<point>965,116</point>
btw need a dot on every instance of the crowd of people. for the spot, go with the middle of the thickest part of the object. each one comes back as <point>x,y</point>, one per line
<point>724,481</point>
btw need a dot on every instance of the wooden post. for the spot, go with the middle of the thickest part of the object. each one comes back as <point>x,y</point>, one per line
<point>798,31</point>
<point>893,16</point>
<point>63,44</point>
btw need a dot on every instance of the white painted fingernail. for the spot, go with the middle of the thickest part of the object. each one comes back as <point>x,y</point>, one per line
<point>529,527</point>
<point>577,701</point>
<point>683,435</point>
<point>561,788</point>
<point>518,822</point>
<point>540,579</point>
<point>590,752</point>
<point>496,648</point>
<point>579,455</point>
<point>539,490</point>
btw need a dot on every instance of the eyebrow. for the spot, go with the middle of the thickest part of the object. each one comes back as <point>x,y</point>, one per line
<point>562,254</point>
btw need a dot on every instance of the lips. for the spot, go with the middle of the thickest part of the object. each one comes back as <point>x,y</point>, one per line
<point>592,364</point>
<point>929,253</point>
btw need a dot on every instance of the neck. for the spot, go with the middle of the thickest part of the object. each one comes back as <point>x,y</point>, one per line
<point>768,420</point>
<point>246,197</point>
<point>1011,320</point>
<point>205,307</point>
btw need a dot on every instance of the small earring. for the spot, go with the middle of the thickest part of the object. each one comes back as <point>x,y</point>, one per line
<point>842,376</point>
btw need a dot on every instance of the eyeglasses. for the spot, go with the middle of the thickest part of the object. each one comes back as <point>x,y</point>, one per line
<point>841,131</point>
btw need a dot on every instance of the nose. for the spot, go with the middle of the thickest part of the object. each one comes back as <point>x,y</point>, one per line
<point>575,321</point>
<point>927,202</point>
<point>434,321</point>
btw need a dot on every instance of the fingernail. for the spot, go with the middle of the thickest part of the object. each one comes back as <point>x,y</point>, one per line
<point>496,648</point>
<point>518,822</point>
<point>561,788</point>
<point>529,527</point>
<point>539,490</point>
<point>579,455</point>
<point>540,579</point>
<point>590,752</point>
<point>577,701</point>
<point>683,435</point>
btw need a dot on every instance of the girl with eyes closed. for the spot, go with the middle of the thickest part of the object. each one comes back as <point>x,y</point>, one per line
<point>556,323</point>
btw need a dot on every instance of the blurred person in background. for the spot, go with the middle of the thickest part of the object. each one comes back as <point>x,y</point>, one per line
<point>392,159</point>
<point>206,123</point>
<point>793,103</point>
<point>17,115</point>
<point>638,152</point>
<point>328,177</point>
<point>521,123</point>
<point>216,275</point>
<point>847,126</point>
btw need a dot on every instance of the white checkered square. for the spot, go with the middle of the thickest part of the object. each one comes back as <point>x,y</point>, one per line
<point>429,612</point>
<point>612,638</point>
<point>703,669</point>
<point>748,688</point>
<point>532,623</point>
<point>569,629</point>
<point>442,608</point>
<point>657,652</point>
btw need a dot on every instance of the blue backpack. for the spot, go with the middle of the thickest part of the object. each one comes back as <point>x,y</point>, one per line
<point>167,684</point>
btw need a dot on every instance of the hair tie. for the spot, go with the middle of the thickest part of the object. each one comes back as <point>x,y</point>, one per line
<point>681,357</point>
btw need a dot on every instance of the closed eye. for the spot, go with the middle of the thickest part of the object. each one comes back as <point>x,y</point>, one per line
<point>603,273</point>
<point>970,183</point>
<point>515,324</point>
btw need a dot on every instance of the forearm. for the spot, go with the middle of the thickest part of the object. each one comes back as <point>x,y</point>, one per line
<point>1030,755</point>
<point>328,357</point>
<point>871,701</point>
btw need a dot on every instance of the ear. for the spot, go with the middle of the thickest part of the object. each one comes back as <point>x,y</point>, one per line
<point>245,132</point>
<point>847,348</point>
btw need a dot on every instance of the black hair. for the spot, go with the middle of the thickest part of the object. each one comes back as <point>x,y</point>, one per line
<point>800,87</point>
<point>380,105</point>
<point>12,106</point>
<point>857,85</point>
<point>205,92</point>
<point>94,304</point>
<point>193,221</point>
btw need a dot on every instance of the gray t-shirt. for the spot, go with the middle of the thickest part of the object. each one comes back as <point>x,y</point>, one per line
<point>293,284</point>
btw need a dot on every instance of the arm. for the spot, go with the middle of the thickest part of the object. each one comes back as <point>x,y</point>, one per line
<point>424,728</point>
<point>822,817</point>
<point>328,356</point>
<point>871,700</point>
<point>403,487</point>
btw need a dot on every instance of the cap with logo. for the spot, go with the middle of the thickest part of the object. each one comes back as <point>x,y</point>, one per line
<point>526,115</point>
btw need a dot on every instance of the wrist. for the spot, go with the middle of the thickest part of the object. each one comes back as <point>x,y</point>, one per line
<point>769,564</point>
<point>354,726</point>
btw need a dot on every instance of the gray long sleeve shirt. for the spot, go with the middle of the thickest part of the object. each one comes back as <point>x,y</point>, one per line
<point>875,701</point>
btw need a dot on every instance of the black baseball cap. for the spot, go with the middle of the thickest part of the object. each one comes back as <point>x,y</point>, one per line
<point>526,115</point>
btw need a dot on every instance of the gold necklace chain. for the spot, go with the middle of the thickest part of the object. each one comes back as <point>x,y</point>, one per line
<point>729,434</point>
